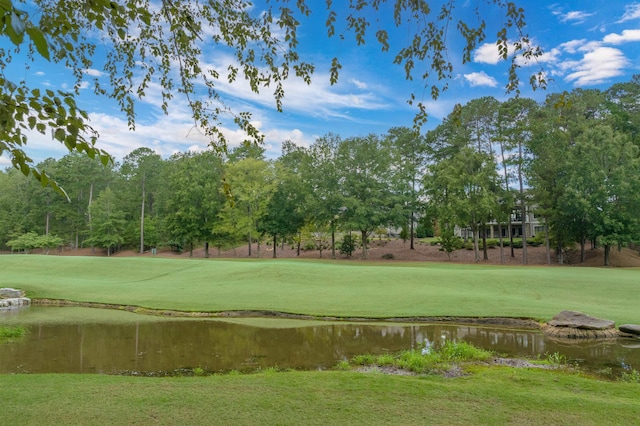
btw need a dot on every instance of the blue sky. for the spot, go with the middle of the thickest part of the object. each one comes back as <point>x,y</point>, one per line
<point>587,44</point>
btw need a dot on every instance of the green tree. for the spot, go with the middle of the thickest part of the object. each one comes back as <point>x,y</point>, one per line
<point>556,127</point>
<point>603,186</point>
<point>321,174</point>
<point>365,185</point>
<point>284,214</point>
<point>109,224</point>
<point>409,154</point>
<point>141,170</point>
<point>515,135</point>
<point>163,43</point>
<point>463,182</point>
<point>251,183</point>
<point>192,198</point>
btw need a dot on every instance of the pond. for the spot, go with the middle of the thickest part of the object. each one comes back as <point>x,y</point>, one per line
<point>83,340</point>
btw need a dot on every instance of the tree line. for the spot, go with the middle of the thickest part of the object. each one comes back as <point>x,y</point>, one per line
<point>572,159</point>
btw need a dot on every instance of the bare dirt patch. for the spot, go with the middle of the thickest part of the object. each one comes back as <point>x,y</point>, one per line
<point>401,251</point>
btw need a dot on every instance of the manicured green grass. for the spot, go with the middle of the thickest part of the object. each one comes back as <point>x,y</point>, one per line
<point>488,395</point>
<point>329,288</point>
<point>494,395</point>
<point>326,288</point>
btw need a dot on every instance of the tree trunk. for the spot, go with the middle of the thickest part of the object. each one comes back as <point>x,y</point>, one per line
<point>501,243</point>
<point>485,253</point>
<point>476,249</point>
<point>142,220</point>
<point>607,252</point>
<point>525,258</point>
<point>275,246</point>
<point>523,206</point>
<point>206,249</point>
<point>299,242</point>
<point>249,237</point>
<point>559,253</point>
<point>583,243</point>
<point>333,240</point>
<point>513,253</point>
<point>93,249</point>
<point>364,244</point>
<point>411,247</point>
<point>191,249</point>
<point>547,242</point>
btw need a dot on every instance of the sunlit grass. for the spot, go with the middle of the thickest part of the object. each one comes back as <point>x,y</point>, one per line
<point>329,288</point>
<point>426,359</point>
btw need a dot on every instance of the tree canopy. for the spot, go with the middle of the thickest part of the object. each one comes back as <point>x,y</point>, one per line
<point>160,43</point>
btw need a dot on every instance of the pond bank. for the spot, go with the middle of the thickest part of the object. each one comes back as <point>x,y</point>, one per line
<point>526,323</point>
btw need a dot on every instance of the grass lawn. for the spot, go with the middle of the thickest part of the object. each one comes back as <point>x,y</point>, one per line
<point>486,395</point>
<point>497,395</point>
<point>329,288</point>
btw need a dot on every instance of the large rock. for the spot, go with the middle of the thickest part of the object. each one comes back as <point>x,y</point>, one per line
<point>6,293</point>
<point>630,329</point>
<point>14,301</point>
<point>580,321</point>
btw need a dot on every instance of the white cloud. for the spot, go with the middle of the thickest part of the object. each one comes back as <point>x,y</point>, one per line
<point>480,79</point>
<point>572,46</point>
<point>626,36</point>
<point>40,73</point>
<point>488,54</point>
<point>359,84</point>
<point>4,161</point>
<point>84,85</point>
<point>319,99</point>
<point>632,11</point>
<point>93,72</point>
<point>596,66</point>
<point>576,16</point>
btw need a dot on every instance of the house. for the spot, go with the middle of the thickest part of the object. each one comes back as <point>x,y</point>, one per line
<point>534,225</point>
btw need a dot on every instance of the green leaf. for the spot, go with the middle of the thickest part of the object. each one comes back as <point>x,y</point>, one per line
<point>59,135</point>
<point>39,40</point>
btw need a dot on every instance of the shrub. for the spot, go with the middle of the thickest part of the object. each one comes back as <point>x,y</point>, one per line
<point>12,332</point>
<point>463,351</point>
<point>388,256</point>
<point>348,245</point>
<point>517,243</point>
<point>492,243</point>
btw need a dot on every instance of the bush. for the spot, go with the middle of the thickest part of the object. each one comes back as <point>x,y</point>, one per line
<point>492,243</point>
<point>404,233</point>
<point>348,245</point>
<point>388,256</point>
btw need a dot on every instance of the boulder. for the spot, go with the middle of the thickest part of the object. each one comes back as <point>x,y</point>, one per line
<point>580,321</point>
<point>6,293</point>
<point>630,329</point>
<point>15,301</point>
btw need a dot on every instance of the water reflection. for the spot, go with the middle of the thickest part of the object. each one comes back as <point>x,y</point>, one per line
<point>222,346</point>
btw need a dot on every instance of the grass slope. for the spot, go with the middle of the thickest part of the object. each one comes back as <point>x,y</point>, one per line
<point>490,396</point>
<point>326,288</point>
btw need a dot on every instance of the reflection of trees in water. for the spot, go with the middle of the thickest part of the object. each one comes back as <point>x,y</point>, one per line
<point>220,346</point>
